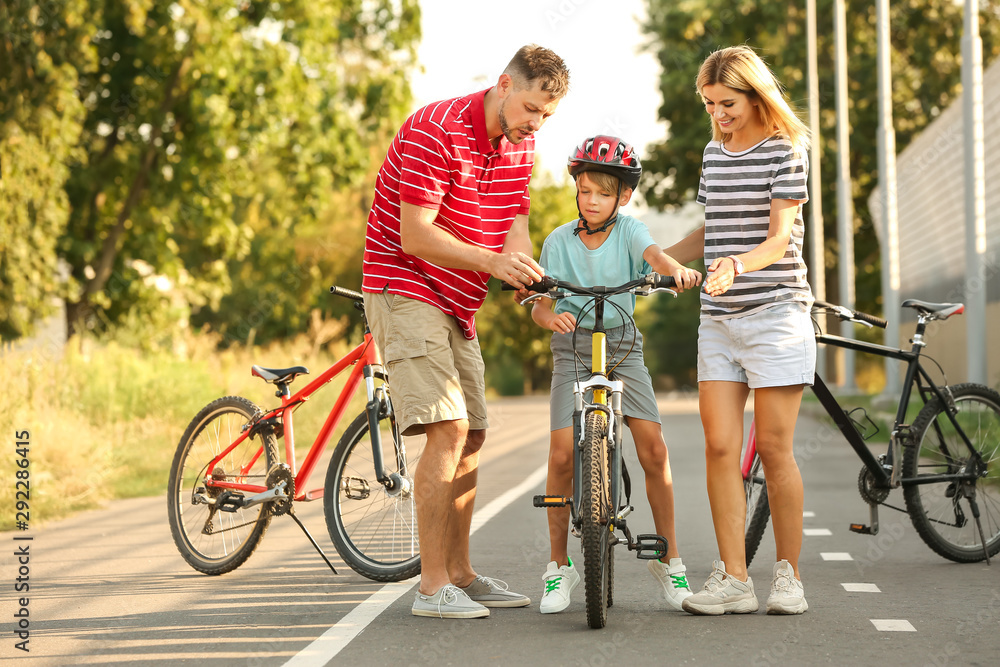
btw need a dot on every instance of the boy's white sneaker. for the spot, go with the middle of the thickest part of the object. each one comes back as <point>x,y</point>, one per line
<point>559,584</point>
<point>722,593</point>
<point>673,579</point>
<point>787,595</point>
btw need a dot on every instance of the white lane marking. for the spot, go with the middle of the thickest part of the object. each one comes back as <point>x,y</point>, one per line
<point>892,625</point>
<point>815,532</point>
<point>861,588</point>
<point>835,555</point>
<point>808,515</point>
<point>325,647</point>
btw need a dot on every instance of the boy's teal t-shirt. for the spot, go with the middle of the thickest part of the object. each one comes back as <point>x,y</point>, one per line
<point>618,260</point>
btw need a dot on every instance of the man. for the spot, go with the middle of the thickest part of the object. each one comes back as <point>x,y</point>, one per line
<point>450,210</point>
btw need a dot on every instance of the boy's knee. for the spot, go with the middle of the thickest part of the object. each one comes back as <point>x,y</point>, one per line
<point>560,460</point>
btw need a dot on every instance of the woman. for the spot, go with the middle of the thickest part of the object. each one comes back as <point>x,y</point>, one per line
<point>755,330</point>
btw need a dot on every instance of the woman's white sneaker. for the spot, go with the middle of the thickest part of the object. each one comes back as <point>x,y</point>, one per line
<point>722,594</point>
<point>559,584</point>
<point>787,595</point>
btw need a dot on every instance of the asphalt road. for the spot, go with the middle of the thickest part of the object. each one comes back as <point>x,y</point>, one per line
<point>108,587</point>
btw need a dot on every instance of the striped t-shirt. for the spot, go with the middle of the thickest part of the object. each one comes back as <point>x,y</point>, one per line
<point>736,190</point>
<point>442,158</point>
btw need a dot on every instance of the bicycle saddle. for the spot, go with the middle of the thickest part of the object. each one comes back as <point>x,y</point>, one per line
<point>937,311</point>
<point>278,375</point>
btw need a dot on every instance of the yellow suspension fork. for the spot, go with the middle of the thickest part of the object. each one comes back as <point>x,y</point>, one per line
<point>598,364</point>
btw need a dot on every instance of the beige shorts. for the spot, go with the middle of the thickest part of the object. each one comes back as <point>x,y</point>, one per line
<point>435,374</point>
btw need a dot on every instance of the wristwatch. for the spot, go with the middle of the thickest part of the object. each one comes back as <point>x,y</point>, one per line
<point>737,265</point>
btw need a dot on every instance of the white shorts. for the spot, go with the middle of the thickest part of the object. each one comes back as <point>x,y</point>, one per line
<point>774,347</point>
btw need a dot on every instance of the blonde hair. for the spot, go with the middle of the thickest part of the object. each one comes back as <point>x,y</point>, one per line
<point>602,180</point>
<point>739,68</point>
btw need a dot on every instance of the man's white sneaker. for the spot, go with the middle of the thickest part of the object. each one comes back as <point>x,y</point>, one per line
<point>673,579</point>
<point>494,593</point>
<point>722,593</point>
<point>787,596</point>
<point>449,601</point>
<point>559,584</point>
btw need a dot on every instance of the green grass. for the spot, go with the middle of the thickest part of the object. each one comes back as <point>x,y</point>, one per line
<point>105,419</point>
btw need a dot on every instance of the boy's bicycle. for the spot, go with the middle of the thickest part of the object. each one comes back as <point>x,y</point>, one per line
<point>947,460</point>
<point>228,477</point>
<point>600,479</point>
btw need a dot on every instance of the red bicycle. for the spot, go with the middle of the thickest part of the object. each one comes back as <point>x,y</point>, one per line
<point>228,478</point>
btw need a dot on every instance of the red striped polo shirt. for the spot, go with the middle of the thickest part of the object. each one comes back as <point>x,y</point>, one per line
<point>442,158</point>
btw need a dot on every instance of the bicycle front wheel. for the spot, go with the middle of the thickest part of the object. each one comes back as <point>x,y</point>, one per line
<point>374,528</point>
<point>942,519</point>
<point>758,510</point>
<point>210,540</point>
<point>596,512</point>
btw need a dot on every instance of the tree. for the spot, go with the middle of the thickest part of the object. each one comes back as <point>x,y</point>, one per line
<point>214,132</point>
<point>41,46</point>
<point>926,49</point>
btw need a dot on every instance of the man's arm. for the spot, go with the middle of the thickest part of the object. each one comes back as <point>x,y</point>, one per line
<point>421,238</point>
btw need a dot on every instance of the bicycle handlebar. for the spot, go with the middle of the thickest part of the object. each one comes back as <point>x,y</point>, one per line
<point>348,293</point>
<point>547,283</point>
<point>848,314</point>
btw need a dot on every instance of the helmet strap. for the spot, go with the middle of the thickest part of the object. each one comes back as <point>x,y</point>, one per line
<point>582,224</point>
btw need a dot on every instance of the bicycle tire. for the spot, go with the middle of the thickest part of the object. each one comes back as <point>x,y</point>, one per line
<point>192,521</point>
<point>374,530</point>
<point>595,510</point>
<point>758,510</point>
<point>611,549</point>
<point>935,508</point>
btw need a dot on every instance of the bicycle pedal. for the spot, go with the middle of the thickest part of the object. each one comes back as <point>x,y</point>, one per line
<point>861,528</point>
<point>229,502</point>
<point>551,501</point>
<point>649,547</point>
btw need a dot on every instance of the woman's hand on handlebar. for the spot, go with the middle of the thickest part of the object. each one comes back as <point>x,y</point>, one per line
<point>686,278</point>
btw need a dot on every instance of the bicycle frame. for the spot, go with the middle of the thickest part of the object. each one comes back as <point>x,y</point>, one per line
<point>602,386</point>
<point>365,359</point>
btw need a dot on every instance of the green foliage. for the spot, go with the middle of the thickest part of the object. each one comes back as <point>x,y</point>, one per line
<point>926,50</point>
<point>40,122</point>
<point>516,347</point>
<point>202,144</point>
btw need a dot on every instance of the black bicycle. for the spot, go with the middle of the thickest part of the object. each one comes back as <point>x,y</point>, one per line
<point>947,461</point>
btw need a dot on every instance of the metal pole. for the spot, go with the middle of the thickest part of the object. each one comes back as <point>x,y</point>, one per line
<point>845,203</point>
<point>817,254</point>
<point>975,193</point>
<point>887,192</point>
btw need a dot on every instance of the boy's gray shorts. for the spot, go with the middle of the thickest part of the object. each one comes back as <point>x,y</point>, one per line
<point>638,400</point>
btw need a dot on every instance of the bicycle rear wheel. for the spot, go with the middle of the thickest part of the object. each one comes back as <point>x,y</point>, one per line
<point>935,508</point>
<point>374,529</point>
<point>213,541</point>
<point>595,512</point>
<point>758,510</point>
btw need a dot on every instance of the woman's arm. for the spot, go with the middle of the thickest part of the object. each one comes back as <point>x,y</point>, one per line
<point>666,265</point>
<point>722,272</point>
<point>689,248</point>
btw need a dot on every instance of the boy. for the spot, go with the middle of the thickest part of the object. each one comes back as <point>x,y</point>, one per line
<point>604,247</point>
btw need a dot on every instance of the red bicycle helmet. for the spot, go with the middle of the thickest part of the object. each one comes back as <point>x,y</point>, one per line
<point>608,154</point>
